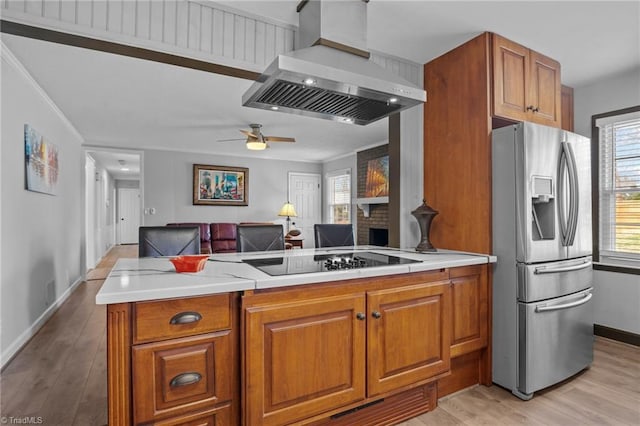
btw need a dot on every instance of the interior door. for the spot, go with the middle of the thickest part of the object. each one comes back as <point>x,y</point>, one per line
<point>305,195</point>
<point>128,215</point>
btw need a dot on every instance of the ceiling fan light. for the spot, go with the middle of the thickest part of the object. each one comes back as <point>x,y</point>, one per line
<point>256,145</point>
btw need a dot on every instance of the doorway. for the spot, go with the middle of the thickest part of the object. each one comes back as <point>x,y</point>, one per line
<point>305,195</point>
<point>128,219</point>
<point>109,175</point>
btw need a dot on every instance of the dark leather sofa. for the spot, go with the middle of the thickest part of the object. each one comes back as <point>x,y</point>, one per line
<point>217,237</point>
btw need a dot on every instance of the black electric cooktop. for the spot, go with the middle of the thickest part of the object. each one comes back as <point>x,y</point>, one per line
<point>324,262</point>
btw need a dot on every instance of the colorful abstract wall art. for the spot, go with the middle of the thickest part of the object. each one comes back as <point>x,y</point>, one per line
<point>42,166</point>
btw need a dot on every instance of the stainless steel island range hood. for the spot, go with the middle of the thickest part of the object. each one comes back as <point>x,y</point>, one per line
<point>332,79</point>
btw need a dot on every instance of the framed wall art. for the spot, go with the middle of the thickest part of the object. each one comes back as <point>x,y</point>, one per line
<point>220,185</point>
<point>377,183</point>
<point>41,162</point>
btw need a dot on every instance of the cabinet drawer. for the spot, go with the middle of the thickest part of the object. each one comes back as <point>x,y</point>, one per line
<point>167,319</point>
<point>218,417</point>
<point>181,375</point>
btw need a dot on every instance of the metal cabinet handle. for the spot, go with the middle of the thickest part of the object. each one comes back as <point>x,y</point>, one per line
<point>543,270</point>
<point>185,318</point>
<point>376,314</point>
<point>536,109</point>
<point>185,379</point>
<point>361,316</point>
<point>530,108</point>
<point>582,301</point>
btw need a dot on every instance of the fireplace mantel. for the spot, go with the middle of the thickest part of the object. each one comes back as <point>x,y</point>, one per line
<point>364,203</point>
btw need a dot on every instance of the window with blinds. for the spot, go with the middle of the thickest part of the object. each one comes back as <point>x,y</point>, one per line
<point>619,186</point>
<point>339,197</point>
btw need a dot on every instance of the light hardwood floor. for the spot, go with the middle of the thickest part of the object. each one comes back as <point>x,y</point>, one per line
<point>59,378</point>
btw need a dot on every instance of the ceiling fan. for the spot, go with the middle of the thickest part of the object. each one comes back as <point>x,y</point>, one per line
<point>256,140</point>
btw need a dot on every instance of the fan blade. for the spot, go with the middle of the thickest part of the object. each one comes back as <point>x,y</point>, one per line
<point>249,134</point>
<point>278,139</point>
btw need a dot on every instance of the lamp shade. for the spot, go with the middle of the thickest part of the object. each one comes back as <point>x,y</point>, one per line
<point>256,145</point>
<point>288,210</point>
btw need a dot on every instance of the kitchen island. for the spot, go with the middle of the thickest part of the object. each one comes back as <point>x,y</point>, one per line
<point>234,344</point>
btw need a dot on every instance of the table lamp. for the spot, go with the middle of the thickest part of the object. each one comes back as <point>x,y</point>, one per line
<point>289,211</point>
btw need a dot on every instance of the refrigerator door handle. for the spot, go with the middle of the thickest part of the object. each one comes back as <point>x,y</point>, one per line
<point>585,299</point>
<point>562,211</point>
<point>543,270</point>
<point>574,195</point>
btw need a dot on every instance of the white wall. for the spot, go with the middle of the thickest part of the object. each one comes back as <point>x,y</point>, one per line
<point>42,235</point>
<point>168,188</point>
<point>616,296</point>
<point>411,173</point>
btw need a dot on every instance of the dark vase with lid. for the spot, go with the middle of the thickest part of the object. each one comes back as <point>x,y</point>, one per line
<point>424,215</point>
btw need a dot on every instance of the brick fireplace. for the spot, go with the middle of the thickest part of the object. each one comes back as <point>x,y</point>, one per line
<point>378,213</point>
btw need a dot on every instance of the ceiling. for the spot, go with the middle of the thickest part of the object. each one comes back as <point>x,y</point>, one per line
<point>121,102</point>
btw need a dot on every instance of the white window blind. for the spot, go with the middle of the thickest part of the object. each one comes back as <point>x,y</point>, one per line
<point>619,188</point>
<point>339,197</point>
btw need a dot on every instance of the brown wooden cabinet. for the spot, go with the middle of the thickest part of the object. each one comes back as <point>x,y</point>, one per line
<point>526,84</point>
<point>303,358</point>
<point>567,108</point>
<point>337,346</point>
<point>408,336</point>
<point>174,361</point>
<point>470,309</point>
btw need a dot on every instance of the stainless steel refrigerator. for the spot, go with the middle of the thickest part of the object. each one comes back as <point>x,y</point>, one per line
<point>542,282</point>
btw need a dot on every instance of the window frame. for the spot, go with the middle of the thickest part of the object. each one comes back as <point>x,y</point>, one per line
<point>623,266</point>
<point>328,176</point>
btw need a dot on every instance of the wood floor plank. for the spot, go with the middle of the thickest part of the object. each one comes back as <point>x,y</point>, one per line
<point>61,374</point>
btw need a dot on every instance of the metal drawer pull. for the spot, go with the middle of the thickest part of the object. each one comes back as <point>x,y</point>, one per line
<point>376,314</point>
<point>565,269</point>
<point>582,301</point>
<point>185,379</point>
<point>185,318</point>
<point>361,316</point>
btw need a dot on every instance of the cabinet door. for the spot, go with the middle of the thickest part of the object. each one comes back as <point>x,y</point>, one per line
<point>510,76</point>
<point>409,335</point>
<point>545,90</point>
<point>470,309</point>
<point>303,358</point>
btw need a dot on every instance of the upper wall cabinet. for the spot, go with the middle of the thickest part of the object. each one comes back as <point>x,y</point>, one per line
<point>526,84</point>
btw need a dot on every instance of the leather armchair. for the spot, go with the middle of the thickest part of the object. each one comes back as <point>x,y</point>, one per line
<point>154,241</point>
<point>259,238</point>
<point>223,237</point>
<point>333,235</point>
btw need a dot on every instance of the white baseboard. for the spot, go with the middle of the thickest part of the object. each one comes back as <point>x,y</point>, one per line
<point>22,340</point>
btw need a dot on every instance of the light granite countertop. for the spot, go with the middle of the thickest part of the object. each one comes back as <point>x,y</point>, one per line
<point>133,280</point>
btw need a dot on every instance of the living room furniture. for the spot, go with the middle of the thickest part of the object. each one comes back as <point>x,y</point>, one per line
<point>205,235</point>
<point>223,237</point>
<point>288,211</point>
<point>333,235</point>
<point>259,238</point>
<point>292,241</point>
<point>154,241</point>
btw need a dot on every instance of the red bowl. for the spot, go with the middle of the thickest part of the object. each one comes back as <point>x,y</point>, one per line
<point>189,263</point>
